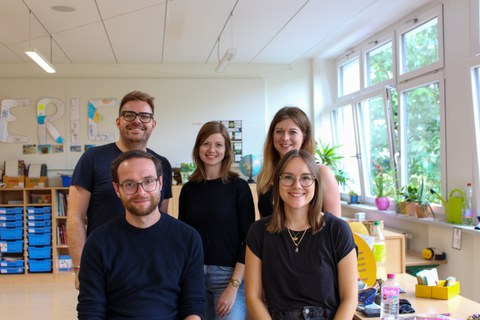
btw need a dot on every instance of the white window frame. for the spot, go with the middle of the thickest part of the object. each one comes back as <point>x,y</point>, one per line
<point>371,45</point>
<point>407,86</point>
<point>411,24</point>
<point>347,58</point>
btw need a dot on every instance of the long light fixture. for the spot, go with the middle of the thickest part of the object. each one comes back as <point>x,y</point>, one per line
<point>40,60</point>
<point>227,57</point>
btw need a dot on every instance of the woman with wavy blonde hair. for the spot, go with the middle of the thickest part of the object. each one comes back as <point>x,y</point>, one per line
<point>290,129</point>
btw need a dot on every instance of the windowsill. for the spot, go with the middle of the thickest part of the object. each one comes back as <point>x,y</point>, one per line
<point>438,222</point>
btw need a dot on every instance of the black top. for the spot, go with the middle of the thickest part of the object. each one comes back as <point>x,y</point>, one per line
<point>222,214</point>
<point>265,203</point>
<point>308,277</point>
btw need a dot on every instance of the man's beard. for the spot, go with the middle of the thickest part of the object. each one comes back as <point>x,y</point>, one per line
<point>142,211</point>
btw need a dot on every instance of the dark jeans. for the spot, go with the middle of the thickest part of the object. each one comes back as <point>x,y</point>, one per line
<point>305,313</point>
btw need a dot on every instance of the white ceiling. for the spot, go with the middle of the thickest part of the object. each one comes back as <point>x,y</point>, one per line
<point>191,31</point>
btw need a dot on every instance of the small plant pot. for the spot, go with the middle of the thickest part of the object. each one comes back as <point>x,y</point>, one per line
<point>424,211</point>
<point>382,203</point>
<point>354,199</point>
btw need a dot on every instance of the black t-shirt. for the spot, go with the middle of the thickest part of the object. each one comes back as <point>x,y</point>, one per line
<point>265,203</point>
<point>308,277</point>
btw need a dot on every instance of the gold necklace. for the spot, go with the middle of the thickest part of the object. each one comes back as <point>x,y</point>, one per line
<point>294,239</point>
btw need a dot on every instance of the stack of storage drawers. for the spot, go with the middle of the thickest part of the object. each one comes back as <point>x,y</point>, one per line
<point>39,235</point>
<point>11,240</point>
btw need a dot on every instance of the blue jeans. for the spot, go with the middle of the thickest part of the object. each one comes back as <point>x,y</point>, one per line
<point>217,279</point>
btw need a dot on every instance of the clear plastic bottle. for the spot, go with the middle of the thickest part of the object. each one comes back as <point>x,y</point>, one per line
<point>390,303</point>
<point>467,215</point>
<point>379,251</point>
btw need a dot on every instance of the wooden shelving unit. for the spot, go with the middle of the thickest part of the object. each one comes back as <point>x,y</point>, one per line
<point>43,218</point>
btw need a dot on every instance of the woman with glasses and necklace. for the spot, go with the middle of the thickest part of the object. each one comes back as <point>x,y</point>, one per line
<point>301,262</point>
<point>219,205</point>
<point>290,129</point>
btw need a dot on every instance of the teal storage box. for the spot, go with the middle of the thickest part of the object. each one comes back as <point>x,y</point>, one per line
<point>11,224</point>
<point>34,229</point>
<point>39,210</point>
<point>39,223</point>
<point>39,216</point>
<point>11,217</point>
<point>10,264</point>
<point>11,210</point>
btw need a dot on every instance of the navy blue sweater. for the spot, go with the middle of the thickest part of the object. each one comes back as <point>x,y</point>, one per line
<point>152,273</point>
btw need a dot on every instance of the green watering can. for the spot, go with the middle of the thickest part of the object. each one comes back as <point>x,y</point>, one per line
<point>454,207</point>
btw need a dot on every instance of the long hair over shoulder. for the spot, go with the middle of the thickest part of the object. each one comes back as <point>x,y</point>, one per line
<point>271,157</point>
<point>226,174</point>
<point>315,215</point>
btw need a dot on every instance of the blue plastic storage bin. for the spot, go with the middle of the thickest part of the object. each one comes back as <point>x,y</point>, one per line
<point>39,216</point>
<point>11,233</point>
<point>11,217</point>
<point>44,265</point>
<point>11,210</point>
<point>11,224</point>
<point>35,229</point>
<point>15,263</point>
<point>38,210</point>
<point>39,239</point>
<point>39,252</point>
<point>39,223</point>
<point>14,246</point>
<point>12,270</point>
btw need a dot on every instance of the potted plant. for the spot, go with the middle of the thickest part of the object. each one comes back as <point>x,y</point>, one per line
<point>329,156</point>
<point>353,197</point>
<point>419,196</point>
<point>407,200</point>
<point>383,185</point>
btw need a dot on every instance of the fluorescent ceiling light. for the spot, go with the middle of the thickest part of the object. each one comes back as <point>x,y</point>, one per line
<point>229,54</point>
<point>40,60</point>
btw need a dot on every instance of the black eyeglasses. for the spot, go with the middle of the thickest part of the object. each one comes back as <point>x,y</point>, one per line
<point>130,187</point>
<point>144,117</point>
<point>306,180</point>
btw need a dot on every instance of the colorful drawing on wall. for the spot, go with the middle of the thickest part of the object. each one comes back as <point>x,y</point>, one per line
<point>75,120</point>
<point>45,123</point>
<point>88,146</point>
<point>29,148</point>
<point>6,117</point>
<point>94,117</point>
<point>76,148</point>
<point>44,148</point>
<point>57,148</point>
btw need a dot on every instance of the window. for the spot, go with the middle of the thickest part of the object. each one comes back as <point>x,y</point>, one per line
<point>379,66</point>
<point>397,114</point>
<point>344,136</point>
<point>420,121</point>
<point>420,43</point>
<point>349,77</point>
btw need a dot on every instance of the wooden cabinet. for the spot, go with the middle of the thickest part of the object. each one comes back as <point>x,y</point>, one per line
<point>395,248</point>
<point>173,203</point>
<point>32,229</point>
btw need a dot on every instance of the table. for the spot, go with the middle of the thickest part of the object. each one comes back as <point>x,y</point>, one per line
<point>458,307</point>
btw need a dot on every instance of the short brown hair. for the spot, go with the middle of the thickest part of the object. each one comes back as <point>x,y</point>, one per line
<point>130,155</point>
<point>137,96</point>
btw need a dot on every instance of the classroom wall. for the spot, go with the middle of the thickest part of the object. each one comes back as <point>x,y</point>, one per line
<point>184,101</point>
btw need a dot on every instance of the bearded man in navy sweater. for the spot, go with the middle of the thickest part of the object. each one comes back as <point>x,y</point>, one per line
<point>144,264</point>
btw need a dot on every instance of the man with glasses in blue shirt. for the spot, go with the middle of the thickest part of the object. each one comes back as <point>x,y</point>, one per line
<point>92,199</point>
<point>143,264</point>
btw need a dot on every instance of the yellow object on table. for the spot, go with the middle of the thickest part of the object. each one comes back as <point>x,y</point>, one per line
<point>437,292</point>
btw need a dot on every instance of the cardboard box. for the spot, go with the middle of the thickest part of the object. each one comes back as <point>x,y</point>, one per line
<point>14,182</point>
<point>438,291</point>
<point>40,182</point>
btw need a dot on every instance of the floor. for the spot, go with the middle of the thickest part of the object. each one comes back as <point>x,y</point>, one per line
<point>38,296</point>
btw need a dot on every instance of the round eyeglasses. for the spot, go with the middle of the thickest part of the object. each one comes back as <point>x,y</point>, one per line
<point>306,180</point>
<point>130,187</point>
<point>144,117</point>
